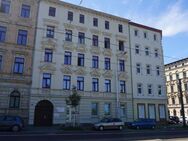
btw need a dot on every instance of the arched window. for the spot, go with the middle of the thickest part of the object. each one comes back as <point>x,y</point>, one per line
<point>173,100</point>
<point>14,99</point>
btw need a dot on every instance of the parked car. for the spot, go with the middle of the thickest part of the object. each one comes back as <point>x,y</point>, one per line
<point>143,123</point>
<point>13,123</point>
<point>173,120</point>
<point>181,119</point>
<point>109,123</point>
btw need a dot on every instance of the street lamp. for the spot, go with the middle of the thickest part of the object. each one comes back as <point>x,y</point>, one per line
<point>117,87</point>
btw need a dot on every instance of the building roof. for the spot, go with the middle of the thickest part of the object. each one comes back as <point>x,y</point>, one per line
<point>145,27</point>
<point>175,62</point>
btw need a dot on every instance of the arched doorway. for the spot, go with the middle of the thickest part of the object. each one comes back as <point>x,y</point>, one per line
<point>43,113</point>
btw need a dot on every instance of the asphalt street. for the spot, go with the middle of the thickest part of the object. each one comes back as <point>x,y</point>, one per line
<point>153,135</point>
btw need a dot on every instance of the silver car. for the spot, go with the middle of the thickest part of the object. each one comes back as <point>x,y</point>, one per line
<point>109,123</point>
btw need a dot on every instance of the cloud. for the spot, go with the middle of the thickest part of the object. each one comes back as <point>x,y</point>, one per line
<point>173,21</point>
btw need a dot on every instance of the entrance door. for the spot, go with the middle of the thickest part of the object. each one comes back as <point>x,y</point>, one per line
<point>43,113</point>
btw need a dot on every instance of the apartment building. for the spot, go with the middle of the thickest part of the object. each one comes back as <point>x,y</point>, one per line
<point>17,33</point>
<point>174,72</point>
<point>147,71</point>
<point>81,47</point>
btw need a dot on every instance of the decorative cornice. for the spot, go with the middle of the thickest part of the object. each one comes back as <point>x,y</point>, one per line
<point>68,45</point>
<point>80,71</point>
<point>95,50</point>
<point>69,26</point>
<point>80,28</point>
<point>95,72</point>
<point>81,48</point>
<point>67,69</point>
<point>95,31</point>
<point>107,52</point>
<point>47,67</point>
<point>107,74</point>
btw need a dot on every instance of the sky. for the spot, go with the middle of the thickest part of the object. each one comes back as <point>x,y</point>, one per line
<point>171,16</point>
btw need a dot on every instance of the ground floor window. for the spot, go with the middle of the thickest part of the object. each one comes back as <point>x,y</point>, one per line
<point>107,109</point>
<point>122,110</point>
<point>151,111</point>
<point>162,113</point>
<point>141,110</point>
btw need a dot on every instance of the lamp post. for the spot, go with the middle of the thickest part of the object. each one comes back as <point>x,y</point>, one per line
<point>117,87</point>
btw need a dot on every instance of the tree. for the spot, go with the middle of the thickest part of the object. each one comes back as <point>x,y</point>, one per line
<point>74,100</point>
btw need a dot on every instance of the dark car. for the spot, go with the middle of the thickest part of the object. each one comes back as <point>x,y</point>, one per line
<point>109,123</point>
<point>143,123</point>
<point>173,120</point>
<point>13,123</point>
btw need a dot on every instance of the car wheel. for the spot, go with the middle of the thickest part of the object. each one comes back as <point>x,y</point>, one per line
<point>101,128</point>
<point>15,128</point>
<point>137,127</point>
<point>120,127</point>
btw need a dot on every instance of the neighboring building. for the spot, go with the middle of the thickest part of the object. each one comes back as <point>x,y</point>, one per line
<point>17,33</point>
<point>80,47</point>
<point>175,71</point>
<point>148,80</point>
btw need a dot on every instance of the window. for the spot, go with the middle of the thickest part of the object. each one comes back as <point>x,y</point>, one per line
<point>25,12</point>
<point>3,31</point>
<point>80,59</point>
<point>155,37</point>
<point>138,68</point>
<point>94,109</point>
<point>159,90</point>
<point>173,101</point>
<point>184,75</point>
<point>149,89</point>
<point>122,86</point>
<point>185,86</point>
<point>70,16</point>
<point>135,32</point>
<point>95,22</point>
<point>121,45</point>
<point>148,69</point>
<point>107,85</point>
<point>48,55</point>
<point>50,31</point>
<point>107,109</point>
<point>171,78</point>
<point>145,35</point>
<point>81,38</point>
<point>107,64</point>
<point>162,113</point>
<point>66,82</point>
<point>120,27</point>
<point>177,76</point>
<point>95,40</point>
<point>137,49</point>
<point>141,111</point>
<point>52,11</point>
<point>95,62</point>
<point>158,70</point>
<point>68,35</point>
<point>67,58</point>
<point>19,65</point>
<point>106,42</point>
<point>14,100</point>
<point>22,37</point>
<point>146,51</point>
<point>46,81</point>
<point>151,111</point>
<point>80,83</point>
<point>5,6</point>
<point>156,53</point>
<point>122,110</point>
<point>1,62</point>
<point>172,88</point>
<point>107,26</point>
<point>139,88</point>
<point>82,18</point>
<point>122,65</point>
<point>95,84</point>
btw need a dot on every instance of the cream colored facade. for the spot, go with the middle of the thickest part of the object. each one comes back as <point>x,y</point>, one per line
<point>56,95</point>
<point>15,80</point>
<point>148,80</point>
<point>175,71</point>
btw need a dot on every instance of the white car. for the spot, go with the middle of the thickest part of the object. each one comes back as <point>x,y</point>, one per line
<point>109,123</point>
<point>181,119</point>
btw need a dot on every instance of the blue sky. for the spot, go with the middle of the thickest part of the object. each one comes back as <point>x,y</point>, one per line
<point>169,15</point>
